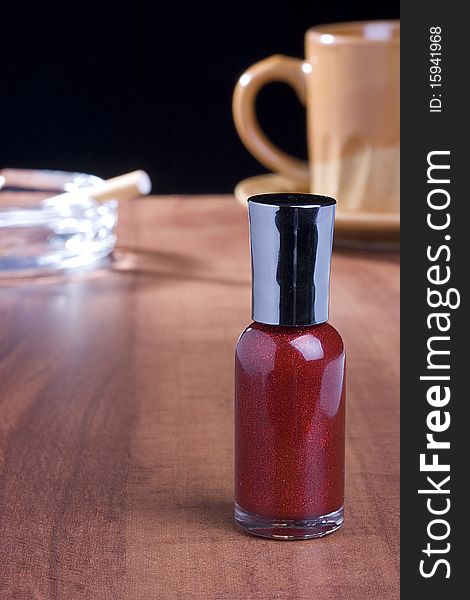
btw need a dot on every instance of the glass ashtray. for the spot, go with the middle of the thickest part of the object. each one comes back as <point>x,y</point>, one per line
<point>39,236</point>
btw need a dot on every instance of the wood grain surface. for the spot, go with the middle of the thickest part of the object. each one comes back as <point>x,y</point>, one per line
<point>116,423</point>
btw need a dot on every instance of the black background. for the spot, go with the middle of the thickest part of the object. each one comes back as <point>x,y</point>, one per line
<point>109,87</point>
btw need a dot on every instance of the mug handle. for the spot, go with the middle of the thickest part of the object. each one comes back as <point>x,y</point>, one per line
<point>275,68</point>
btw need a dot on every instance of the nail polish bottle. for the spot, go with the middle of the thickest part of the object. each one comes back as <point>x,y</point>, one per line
<point>289,376</point>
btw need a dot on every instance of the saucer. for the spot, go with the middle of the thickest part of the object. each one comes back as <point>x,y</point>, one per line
<point>379,230</point>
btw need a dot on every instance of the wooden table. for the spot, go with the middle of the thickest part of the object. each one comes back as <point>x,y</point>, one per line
<point>116,423</point>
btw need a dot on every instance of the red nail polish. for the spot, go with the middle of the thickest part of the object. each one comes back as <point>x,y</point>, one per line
<point>289,376</point>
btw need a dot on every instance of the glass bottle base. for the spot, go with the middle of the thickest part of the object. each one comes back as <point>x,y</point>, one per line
<point>288,529</point>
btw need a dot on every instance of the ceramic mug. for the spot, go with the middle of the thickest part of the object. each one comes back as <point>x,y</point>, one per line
<point>350,85</point>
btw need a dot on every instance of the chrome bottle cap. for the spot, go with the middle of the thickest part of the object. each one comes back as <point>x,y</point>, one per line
<point>291,242</point>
